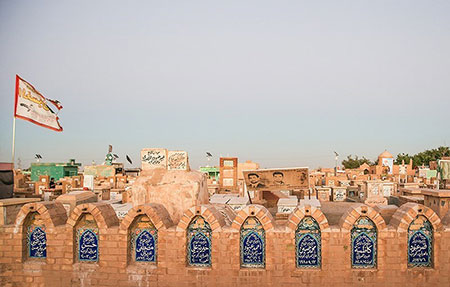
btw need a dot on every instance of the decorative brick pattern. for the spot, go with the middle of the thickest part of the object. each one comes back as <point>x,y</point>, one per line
<point>208,212</point>
<point>306,210</point>
<point>349,218</point>
<point>406,213</point>
<point>52,213</point>
<point>103,213</point>
<point>114,269</point>
<point>156,212</point>
<point>258,211</point>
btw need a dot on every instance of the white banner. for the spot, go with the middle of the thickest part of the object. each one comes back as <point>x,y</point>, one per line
<point>31,106</point>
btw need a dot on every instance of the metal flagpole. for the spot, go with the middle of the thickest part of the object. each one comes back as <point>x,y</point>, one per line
<point>438,174</point>
<point>13,139</point>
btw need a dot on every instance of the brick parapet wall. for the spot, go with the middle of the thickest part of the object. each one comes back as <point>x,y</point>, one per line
<point>115,269</point>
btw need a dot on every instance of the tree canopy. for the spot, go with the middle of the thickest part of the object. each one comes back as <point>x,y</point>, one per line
<point>424,158</point>
<point>355,162</point>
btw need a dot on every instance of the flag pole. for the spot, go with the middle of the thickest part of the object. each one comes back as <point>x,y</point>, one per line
<point>13,139</point>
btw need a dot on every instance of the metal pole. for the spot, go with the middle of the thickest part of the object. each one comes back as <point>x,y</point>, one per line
<point>13,139</point>
<point>335,166</point>
<point>438,173</point>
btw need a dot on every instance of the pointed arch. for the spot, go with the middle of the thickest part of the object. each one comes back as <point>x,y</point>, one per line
<point>257,211</point>
<point>103,213</point>
<point>214,218</point>
<point>34,221</point>
<point>307,210</point>
<point>198,242</point>
<point>52,213</point>
<point>157,213</point>
<point>352,214</point>
<point>406,213</point>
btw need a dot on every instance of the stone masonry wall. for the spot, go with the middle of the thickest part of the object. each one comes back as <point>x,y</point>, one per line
<point>114,267</point>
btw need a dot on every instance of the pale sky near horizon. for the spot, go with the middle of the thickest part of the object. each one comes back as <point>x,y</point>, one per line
<point>282,83</point>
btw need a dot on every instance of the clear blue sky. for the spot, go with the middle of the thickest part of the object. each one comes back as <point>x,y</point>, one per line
<point>282,83</point>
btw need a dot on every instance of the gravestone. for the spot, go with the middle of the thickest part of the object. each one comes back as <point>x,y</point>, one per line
<point>219,199</point>
<point>121,209</point>
<point>88,181</point>
<point>339,193</point>
<point>323,193</point>
<point>420,243</point>
<point>311,202</point>
<point>88,245</point>
<point>177,160</point>
<point>344,182</point>
<point>176,189</point>
<point>388,189</point>
<point>364,243</point>
<point>238,203</point>
<point>373,194</point>
<point>152,158</point>
<point>103,193</point>
<point>287,205</point>
<point>362,252</point>
<point>199,242</point>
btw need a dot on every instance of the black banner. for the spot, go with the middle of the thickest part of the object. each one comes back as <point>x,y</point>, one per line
<point>6,184</point>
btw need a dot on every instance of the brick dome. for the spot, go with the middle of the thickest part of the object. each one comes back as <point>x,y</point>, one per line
<point>385,154</point>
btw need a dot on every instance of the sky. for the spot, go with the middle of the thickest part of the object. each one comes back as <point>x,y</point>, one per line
<point>281,83</point>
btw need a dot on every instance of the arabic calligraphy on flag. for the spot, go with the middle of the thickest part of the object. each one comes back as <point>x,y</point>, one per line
<point>31,106</point>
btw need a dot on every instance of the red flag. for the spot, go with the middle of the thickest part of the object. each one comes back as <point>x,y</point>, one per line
<point>30,105</point>
<point>56,103</point>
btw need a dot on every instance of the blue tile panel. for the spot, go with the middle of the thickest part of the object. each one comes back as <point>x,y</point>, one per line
<point>37,242</point>
<point>199,243</point>
<point>420,243</point>
<point>308,244</point>
<point>364,244</point>
<point>87,244</point>
<point>145,245</point>
<point>252,244</point>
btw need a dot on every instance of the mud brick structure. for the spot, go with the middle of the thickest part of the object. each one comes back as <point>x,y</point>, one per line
<point>116,262</point>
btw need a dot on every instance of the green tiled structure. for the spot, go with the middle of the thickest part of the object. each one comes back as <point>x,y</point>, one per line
<point>212,171</point>
<point>55,170</point>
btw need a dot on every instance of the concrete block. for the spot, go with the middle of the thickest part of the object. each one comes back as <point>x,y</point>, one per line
<point>74,198</point>
<point>10,207</point>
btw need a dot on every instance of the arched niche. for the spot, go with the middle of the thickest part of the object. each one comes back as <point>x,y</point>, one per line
<point>308,244</point>
<point>141,226</point>
<point>198,242</point>
<point>86,222</point>
<point>86,239</point>
<point>420,242</point>
<point>364,243</point>
<point>252,242</point>
<point>35,221</point>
